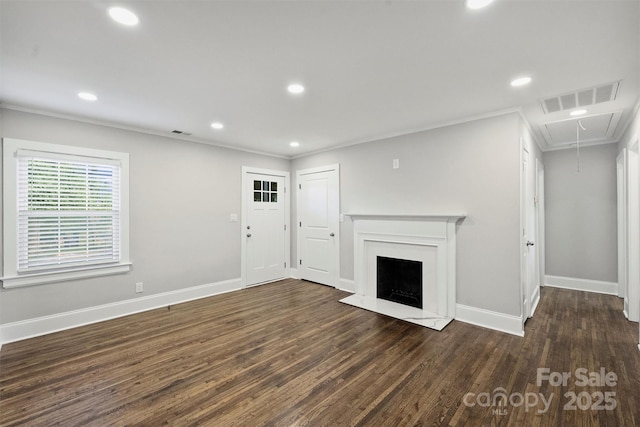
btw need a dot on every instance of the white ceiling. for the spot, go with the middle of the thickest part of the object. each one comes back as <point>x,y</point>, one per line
<point>371,68</point>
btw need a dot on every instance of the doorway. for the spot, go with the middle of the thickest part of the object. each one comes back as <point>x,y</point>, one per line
<point>633,232</point>
<point>540,241</point>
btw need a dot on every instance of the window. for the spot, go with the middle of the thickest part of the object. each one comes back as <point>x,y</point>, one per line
<point>269,191</point>
<point>66,212</point>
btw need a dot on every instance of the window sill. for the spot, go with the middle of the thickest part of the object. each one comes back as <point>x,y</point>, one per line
<point>64,275</point>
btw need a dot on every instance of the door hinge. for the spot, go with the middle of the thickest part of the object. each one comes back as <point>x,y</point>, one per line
<point>300,223</point>
<point>300,262</point>
<point>285,190</point>
<point>285,227</point>
<point>285,264</point>
<point>299,186</point>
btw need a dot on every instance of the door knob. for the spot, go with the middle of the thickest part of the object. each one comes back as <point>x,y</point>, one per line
<point>530,243</point>
<point>248,234</point>
<point>331,234</point>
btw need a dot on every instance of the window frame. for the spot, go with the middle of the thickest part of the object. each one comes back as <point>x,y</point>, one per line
<point>11,278</point>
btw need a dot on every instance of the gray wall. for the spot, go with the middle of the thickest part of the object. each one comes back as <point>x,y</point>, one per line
<point>181,195</point>
<point>472,168</point>
<point>581,233</point>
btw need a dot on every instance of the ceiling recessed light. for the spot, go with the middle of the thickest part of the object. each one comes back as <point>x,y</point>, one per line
<point>123,16</point>
<point>521,81</point>
<point>217,125</point>
<point>578,113</point>
<point>295,88</point>
<point>294,144</point>
<point>477,4</point>
<point>87,96</point>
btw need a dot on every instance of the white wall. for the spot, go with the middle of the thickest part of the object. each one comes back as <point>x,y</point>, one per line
<point>182,194</point>
<point>581,213</point>
<point>471,167</point>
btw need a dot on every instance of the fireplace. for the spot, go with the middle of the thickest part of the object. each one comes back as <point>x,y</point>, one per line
<point>399,280</point>
<point>405,267</point>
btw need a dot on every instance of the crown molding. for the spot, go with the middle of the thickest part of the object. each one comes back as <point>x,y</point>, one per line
<point>412,131</point>
<point>142,130</point>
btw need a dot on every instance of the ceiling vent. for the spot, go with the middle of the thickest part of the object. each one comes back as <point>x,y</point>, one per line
<point>581,98</point>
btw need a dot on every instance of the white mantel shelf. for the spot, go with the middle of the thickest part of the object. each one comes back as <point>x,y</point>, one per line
<point>408,217</point>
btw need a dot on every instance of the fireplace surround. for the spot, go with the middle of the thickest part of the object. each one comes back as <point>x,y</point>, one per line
<point>426,239</point>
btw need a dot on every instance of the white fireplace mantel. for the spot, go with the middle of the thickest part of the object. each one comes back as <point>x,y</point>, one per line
<point>428,238</point>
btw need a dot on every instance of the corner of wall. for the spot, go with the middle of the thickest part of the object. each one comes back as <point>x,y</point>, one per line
<point>347,285</point>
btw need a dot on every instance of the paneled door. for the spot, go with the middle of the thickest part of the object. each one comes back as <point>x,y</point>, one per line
<point>318,224</point>
<point>264,228</point>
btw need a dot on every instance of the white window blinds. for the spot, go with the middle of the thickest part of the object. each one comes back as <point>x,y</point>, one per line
<point>68,211</point>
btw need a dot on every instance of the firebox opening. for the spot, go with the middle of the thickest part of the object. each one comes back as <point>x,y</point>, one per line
<point>400,281</point>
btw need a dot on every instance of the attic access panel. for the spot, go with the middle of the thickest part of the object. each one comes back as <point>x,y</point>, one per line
<point>599,128</point>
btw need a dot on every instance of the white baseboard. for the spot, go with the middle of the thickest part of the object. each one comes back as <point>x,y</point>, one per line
<point>490,319</point>
<point>597,286</point>
<point>17,331</point>
<point>347,285</point>
<point>343,284</point>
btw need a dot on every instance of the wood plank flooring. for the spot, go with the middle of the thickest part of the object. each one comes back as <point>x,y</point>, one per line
<point>289,354</point>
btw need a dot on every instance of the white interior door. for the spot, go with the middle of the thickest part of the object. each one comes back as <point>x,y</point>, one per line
<point>621,183</point>
<point>264,228</point>
<point>318,224</point>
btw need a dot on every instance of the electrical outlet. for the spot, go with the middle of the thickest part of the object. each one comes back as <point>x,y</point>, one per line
<point>139,287</point>
<point>396,163</point>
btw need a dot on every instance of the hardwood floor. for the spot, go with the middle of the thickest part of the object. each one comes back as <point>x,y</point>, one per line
<point>289,354</point>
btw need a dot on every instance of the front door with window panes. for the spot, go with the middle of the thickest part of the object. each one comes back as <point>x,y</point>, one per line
<point>265,229</point>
